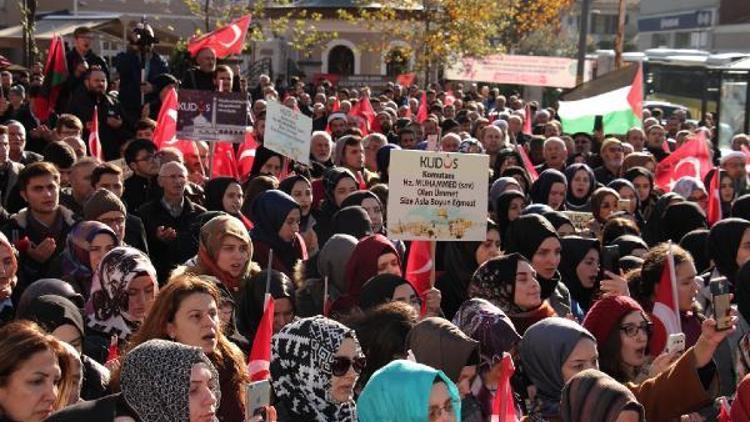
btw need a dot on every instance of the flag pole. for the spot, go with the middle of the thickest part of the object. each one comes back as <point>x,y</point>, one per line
<point>673,281</point>
<point>268,279</point>
<point>325,294</point>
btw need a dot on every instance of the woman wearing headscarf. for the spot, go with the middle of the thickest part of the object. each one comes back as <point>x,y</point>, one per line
<point>627,191</point>
<point>534,237</point>
<point>300,189</point>
<point>581,184</point>
<point>331,263</point>
<point>461,259</point>
<point>506,158</point>
<point>695,243</point>
<point>373,255</point>
<point>123,290</point>
<point>579,269</point>
<point>276,217</point>
<point>266,163</point>
<point>440,344</point>
<point>409,391</point>
<point>225,251</point>
<point>384,288</point>
<point>371,204</point>
<point>643,181</point>
<point>508,282</point>
<point>594,395</point>
<point>225,194</point>
<point>552,351</point>
<point>727,193</point>
<point>741,207</point>
<point>352,220</point>
<point>160,381</point>
<point>62,319</point>
<point>315,364</point>
<point>560,222</point>
<point>681,218</point>
<point>653,231</point>
<point>508,207</point>
<point>49,286</point>
<point>471,146</point>
<point>338,183</point>
<point>603,204</point>
<point>629,244</point>
<point>693,190</point>
<point>496,334</point>
<point>85,245</point>
<point>253,188</point>
<point>500,186</point>
<point>251,302</point>
<point>383,159</point>
<point>550,189</point>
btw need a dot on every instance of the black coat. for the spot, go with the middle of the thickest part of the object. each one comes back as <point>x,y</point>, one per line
<point>135,233</point>
<point>82,106</point>
<point>168,255</point>
<point>138,190</point>
<point>105,409</point>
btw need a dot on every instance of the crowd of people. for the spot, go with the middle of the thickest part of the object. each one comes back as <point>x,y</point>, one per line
<point>132,289</point>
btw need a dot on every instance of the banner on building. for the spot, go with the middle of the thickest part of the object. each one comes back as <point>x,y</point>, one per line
<point>558,72</point>
<point>288,132</point>
<point>437,196</point>
<point>211,116</point>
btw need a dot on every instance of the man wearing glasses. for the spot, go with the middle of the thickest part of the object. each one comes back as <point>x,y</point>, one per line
<point>141,186</point>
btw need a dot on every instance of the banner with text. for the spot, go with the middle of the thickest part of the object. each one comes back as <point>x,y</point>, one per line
<point>287,132</point>
<point>437,196</point>
<point>211,116</point>
<point>558,72</point>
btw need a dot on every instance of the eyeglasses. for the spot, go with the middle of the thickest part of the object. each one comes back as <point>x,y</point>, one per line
<point>631,330</point>
<point>436,412</point>
<point>341,364</point>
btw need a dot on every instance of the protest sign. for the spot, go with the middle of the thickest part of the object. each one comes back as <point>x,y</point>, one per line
<point>558,72</point>
<point>288,132</point>
<point>437,196</point>
<point>580,220</point>
<point>211,116</point>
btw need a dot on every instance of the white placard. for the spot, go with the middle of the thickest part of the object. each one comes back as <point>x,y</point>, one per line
<point>287,132</point>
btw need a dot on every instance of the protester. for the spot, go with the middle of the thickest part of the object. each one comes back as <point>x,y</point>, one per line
<point>593,394</point>
<point>250,304</point>
<point>225,194</point>
<point>275,234</point>
<point>86,245</point>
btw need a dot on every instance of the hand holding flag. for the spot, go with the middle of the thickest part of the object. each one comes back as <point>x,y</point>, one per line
<point>224,41</point>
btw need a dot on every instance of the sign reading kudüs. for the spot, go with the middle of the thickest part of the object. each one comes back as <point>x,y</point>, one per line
<point>437,196</point>
<point>211,116</point>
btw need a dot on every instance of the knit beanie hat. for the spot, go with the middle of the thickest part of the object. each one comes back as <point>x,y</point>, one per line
<point>606,313</point>
<point>100,202</point>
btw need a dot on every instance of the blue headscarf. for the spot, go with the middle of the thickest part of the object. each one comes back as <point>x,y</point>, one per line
<point>400,391</point>
<point>269,211</point>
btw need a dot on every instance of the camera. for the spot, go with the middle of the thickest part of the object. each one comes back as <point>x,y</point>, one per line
<point>143,35</point>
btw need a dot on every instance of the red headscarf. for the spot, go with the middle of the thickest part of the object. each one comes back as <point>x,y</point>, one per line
<point>363,263</point>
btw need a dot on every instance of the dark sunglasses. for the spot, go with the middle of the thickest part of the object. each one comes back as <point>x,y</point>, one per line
<point>340,365</point>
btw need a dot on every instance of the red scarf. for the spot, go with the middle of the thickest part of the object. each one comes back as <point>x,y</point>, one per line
<point>205,260</point>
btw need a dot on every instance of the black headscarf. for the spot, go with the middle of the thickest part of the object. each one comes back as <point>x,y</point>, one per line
<point>726,206</point>
<point>741,207</point>
<point>501,210</point>
<point>502,156</point>
<point>287,185</point>
<point>557,219</point>
<point>574,249</point>
<point>215,189</point>
<point>356,198</point>
<point>723,243</point>
<point>383,160</point>
<point>542,186</point>
<point>695,242</point>
<point>352,220</point>
<point>269,211</point>
<point>51,312</point>
<point>262,155</point>
<point>653,232</point>
<point>742,291</point>
<point>520,172</point>
<point>570,173</point>
<point>679,219</point>
<point>627,243</point>
<point>524,236</point>
<point>49,286</point>
<point>379,290</point>
<point>252,299</point>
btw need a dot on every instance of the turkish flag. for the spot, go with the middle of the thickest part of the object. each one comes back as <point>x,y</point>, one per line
<point>691,159</point>
<point>504,405</point>
<point>666,308</point>
<point>259,361</point>
<point>422,110</point>
<point>419,265</point>
<point>246,155</point>
<point>224,41</point>
<point>165,133</point>
<point>365,115</point>
<point>714,198</point>
<point>95,145</point>
<point>406,79</point>
<point>533,175</point>
<point>225,163</point>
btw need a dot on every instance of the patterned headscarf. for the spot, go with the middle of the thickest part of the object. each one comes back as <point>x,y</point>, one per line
<point>302,354</point>
<point>495,281</point>
<point>75,258</point>
<point>155,380</point>
<point>487,324</point>
<point>107,309</point>
<point>594,395</point>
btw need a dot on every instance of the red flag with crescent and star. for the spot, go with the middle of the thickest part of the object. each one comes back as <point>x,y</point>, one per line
<point>691,159</point>
<point>224,41</point>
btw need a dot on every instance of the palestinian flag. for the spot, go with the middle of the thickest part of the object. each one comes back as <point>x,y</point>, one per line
<point>617,97</point>
<point>55,76</point>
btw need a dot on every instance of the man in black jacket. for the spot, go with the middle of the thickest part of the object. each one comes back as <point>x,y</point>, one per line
<point>202,76</point>
<point>81,58</point>
<point>112,132</point>
<point>141,186</point>
<point>169,221</point>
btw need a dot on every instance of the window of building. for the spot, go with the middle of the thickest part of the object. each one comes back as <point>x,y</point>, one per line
<point>396,62</point>
<point>682,40</point>
<point>659,40</point>
<point>341,61</point>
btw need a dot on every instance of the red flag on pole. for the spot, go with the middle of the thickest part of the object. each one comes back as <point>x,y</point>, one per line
<point>165,133</point>
<point>422,110</point>
<point>95,145</point>
<point>419,265</point>
<point>527,121</point>
<point>246,156</point>
<point>406,79</point>
<point>533,175</point>
<point>55,76</point>
<point>365,114</point>
<point>690,159</point>
<point>259,361</point>
<point>225,163</point>
<point>503,406</point>
<point>224,41</point>
<point>714,198</point>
